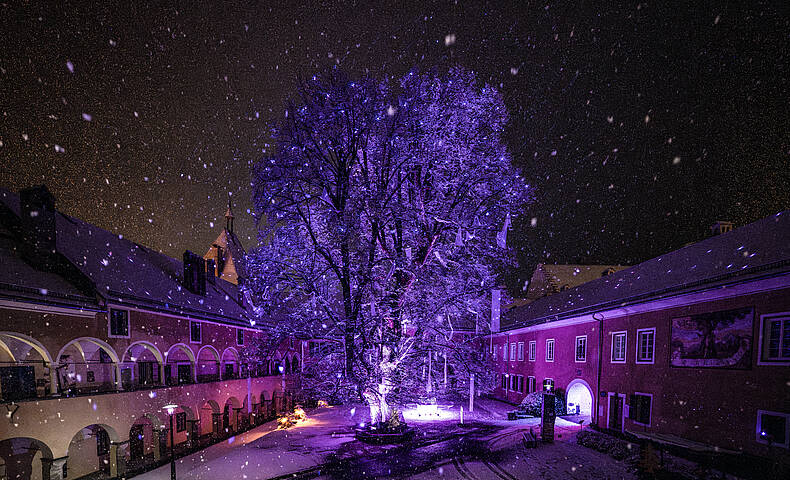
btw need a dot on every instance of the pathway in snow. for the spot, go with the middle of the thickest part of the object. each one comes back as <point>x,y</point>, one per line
<point>265,452</point>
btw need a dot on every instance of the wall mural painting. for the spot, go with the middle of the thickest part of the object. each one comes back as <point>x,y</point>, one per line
<point>720,339</point>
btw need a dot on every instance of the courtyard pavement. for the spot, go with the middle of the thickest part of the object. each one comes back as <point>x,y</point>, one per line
<point>324,447</point>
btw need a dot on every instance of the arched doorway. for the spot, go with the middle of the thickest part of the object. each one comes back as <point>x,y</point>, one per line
<point>230,415</point>
<point>210,421</point>
<point>23,457</point>
<point>207,364</point>
<point>230,363</point>
<point>23,362</point>
<point>141,366</point>
<point>579,394</point>
<point>88,365</point>
<point>89,451</point>
<point>143,443</point>
<point>179,366</point>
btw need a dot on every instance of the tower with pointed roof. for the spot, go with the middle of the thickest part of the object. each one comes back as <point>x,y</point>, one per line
<point>227,252</point>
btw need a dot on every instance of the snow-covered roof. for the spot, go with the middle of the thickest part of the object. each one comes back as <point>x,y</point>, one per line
<point>756,249</point>
<point>131,274</point>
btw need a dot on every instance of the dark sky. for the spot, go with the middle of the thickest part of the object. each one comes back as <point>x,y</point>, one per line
<point>638,126</point>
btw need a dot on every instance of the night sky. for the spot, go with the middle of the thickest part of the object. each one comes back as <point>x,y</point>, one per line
<point>638,127</point>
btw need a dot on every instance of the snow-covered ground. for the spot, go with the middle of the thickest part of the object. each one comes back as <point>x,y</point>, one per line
<point>265,452</point>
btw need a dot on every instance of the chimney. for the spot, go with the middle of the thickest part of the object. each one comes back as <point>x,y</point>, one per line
<point>194,273</point>
<point>211,270</point>
<point>37,215</point>
<point>721,226</point>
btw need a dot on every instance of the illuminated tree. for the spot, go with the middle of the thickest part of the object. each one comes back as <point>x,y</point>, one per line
<point>383,219</point>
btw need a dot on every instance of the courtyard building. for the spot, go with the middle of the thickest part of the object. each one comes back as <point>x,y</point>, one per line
<point>98,334</point>
<point>690,348</point>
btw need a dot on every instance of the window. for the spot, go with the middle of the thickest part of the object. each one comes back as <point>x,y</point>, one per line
<point>181,421</point>
<point>102,442</point>
<point>504,381</point>
<point>530,384</point>
<point>532,349</point>
<point>194,332</point>
<point>645,345</point>
<point>512,352</point>
<point>775,336</point>
<point>773,428</point>
<point>639,408</point>
<point>513,380</point>
<point>521,383</point>
<point>520,351</point>
<point>618,347</point>
<point>119,323</point>
<point>581,348</point>
<point>239,337</point>
<point>550,350</point>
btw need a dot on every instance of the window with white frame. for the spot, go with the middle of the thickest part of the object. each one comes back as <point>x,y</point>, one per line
<point>639,408</point>
<point>239,337</point>
<point>618,346</point>
<point>645,345</point>
<point>194,332</point>
<point>520,351</point>
<point>550,350</point>
<point>504,381</point>
<point>773,428</point>
<point>775,335</point>
<point>532,349</point>
<point>581,348</point>
<point>512,352</point>
<point>530,384</point>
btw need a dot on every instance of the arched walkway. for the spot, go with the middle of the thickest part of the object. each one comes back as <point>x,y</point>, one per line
<point>32,361</point>
<point>579,394</point>
<point>89,450</point>
<point>179,365</point>
<point>207,364</point>
<point>141,366</point>
<point>230,414</point>
<point>144,442</point>
<point>210,418</point>
<point>230,363</point>
<point>87,365</point>
<point>24,457</point>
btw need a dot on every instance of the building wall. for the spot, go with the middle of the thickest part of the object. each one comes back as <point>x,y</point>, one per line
<point>716,406</point>
<point>51,423</point>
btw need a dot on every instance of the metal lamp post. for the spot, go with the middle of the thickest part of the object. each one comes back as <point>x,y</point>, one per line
<point>170,409</point>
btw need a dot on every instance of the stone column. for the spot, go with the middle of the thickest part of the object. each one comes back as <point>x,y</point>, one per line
<point>193,433</point>
<point>236,424</point>
<point>52,468</point>
<point>216,424</point>
<point>119,451</point>
<point>160,443</point>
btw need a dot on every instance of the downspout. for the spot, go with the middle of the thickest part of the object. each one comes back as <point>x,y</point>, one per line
<point>596,316</point>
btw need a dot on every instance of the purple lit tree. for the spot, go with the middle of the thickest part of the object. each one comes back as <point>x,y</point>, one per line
<point>382,222</point>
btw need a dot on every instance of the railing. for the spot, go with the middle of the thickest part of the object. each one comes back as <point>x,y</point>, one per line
<point>26,381</point>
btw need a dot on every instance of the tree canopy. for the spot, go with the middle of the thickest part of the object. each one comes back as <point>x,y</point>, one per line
<point>383,218</point>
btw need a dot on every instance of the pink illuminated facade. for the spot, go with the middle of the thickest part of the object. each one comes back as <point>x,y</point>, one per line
<point>693,345</point>
<point>98,334</point>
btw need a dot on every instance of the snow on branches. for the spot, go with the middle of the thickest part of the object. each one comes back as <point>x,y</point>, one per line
<point>380,215</point>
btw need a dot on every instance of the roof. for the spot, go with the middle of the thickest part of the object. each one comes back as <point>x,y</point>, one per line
<point>131,274</point>
<point>230,242</point>
<point>21,281</point>
<point>548,279</point>
<point>753,250</point>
